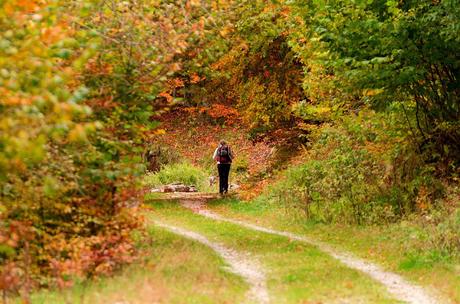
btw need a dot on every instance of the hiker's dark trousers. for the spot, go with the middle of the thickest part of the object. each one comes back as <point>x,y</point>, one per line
<point>224,170</point>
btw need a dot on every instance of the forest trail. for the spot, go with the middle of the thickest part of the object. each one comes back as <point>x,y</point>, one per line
<point>397,286</point>
<point>239,264</point>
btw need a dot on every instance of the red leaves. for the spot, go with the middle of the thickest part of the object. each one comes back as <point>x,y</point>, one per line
<point>10,277</point>
<point>15,232</point>
<point>91,257</point>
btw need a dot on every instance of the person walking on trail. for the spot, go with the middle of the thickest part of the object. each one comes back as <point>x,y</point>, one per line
<point>223,155</point>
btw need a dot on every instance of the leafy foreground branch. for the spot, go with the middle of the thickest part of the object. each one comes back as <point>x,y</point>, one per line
<point>79,84</point>
<point>64,177</point>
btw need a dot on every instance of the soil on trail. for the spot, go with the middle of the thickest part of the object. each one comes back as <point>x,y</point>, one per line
<point>239,263</point>
<point>400,288</point>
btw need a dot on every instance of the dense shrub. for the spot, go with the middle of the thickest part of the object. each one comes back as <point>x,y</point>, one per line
<point>359,171</point>
<point>157,156</point>
<point>184,173</point>
<point>444,235</point>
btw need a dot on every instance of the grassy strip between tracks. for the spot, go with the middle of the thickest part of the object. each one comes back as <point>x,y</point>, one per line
<point>296,272</point>
<point>388,245</point>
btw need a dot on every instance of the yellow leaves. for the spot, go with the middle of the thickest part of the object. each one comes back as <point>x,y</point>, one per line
<point>78,134</point>
<point>195,2</point>
<point>270,8</point>
<point>373,92</point>
<point>159,132</point>
<point>323,109</point>
<point>225,31</point>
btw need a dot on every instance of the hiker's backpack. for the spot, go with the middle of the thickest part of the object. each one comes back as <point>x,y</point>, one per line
<point>224,154</point>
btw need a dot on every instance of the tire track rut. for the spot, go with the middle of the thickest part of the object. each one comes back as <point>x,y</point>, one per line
<point>397,286</point>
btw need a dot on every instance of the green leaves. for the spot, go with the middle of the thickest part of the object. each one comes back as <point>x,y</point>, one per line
<point>401,49</point>
<point>59,186</point>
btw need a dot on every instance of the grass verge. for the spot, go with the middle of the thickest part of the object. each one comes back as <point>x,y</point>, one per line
<point>387,245</point>
<point>184,173</point>
<point>176,270</point>
<point>296,272</point>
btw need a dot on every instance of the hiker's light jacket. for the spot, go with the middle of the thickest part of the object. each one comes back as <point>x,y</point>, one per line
<point>230,153</point>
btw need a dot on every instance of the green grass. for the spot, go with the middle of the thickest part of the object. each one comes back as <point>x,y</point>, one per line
<point>177,270</point>
<point>391,246</point>
<point>184,173</point>
<point>296,272</point>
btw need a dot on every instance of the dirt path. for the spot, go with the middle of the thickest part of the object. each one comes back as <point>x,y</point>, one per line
<point>395,284</point>
<point>239,263</point>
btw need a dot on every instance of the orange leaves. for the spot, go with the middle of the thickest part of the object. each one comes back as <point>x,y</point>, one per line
<point>286,11</point>
<point>10,277</point>
<point>198,26</point>
<point>219,113</point>
<point>103,102</point>
<point>50,178</point>
<point>9,98</point>
<point>176,83</point>
<point>51,35</point>
<point>96,255</point>
<point>15,232</point>
<point>229,114</point>
<point>99,68</point>
<point>25,6</point>
<point>195,78</point>
<point>249,192</point>
<point>167,96</point>
<point>423,200</point>
<point>78,134</point>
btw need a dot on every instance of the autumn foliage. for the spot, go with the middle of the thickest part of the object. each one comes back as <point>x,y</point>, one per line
<point>62,211</point>
<point>362,96</point>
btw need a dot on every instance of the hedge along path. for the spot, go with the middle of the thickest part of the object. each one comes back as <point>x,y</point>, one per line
<point>238,263</point>
<point>395,284</point>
